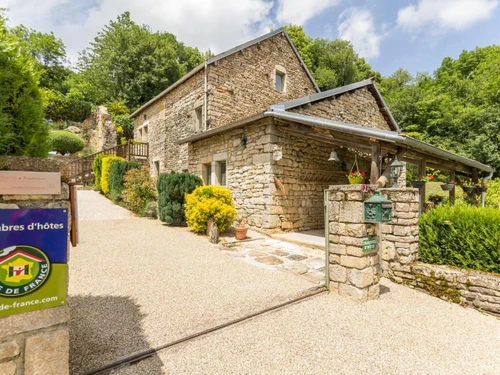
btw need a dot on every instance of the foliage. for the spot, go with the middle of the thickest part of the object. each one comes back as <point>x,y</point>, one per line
<point>131,63</point>
<point>461,236</point>
<point>139,190</point>
<point>63,142</point>
<point>106,165</point>
<point>492,197</point>
<point>62,108</point>
<point>172,188</point>
<point>151,210</point>
<point>22,131</point>
<point>436,199</point>
<point>207,202</point>
<point>97,168</point>
<point>116,174</point>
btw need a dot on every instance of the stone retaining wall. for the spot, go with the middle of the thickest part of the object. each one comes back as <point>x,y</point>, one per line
<point>35,343</point>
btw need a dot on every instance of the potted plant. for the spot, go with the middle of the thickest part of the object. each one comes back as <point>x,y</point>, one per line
<point>482,187</point>
<point>448,186</point>
<point>421,183</point>
<point>467,186</point>
<point>356,177</point>
<point>241,229</point>
<point>436,199</point>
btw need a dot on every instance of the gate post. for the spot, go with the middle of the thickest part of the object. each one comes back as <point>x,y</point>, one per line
<point>353,272</point>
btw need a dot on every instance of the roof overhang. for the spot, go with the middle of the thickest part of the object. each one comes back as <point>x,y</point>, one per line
<point>352,129</point>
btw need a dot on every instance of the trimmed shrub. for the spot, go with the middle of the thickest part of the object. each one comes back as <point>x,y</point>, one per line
<point>151,210</point>
<point>172,188</point>
<point>492,197</point>
<point>116,174</point>
<point>461,236</point>
<point>97,168</point>
<point>63,141</point>
<point>139,189</point>
<point>207,202</point>
<point>106,165</point>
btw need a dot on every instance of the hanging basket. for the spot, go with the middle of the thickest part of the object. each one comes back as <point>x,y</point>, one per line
<point>356,180</point>
<point>468,189</point>
<point>447,187</point>
<point>482,189</point>
<point>418,184</point>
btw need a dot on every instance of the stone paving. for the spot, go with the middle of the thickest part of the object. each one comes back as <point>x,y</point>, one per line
<point>263,251</point>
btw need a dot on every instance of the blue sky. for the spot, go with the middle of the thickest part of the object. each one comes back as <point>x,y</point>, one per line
<point>413,34</point>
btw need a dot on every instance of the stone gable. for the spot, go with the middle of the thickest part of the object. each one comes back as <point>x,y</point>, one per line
<point>355,107</point>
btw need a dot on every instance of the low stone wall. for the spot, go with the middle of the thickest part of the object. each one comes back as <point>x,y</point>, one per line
<point>35,343</point>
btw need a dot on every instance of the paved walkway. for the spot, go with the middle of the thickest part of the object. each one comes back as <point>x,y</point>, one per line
<point>136,284</point>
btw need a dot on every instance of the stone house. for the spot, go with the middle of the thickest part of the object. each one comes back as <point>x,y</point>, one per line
<point>254,120</point>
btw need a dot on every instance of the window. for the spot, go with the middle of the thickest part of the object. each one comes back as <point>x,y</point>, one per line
<point>144,134</point>
<point>221,173</point>
<point>157,168</point>
<point>145,117</point>
<point>280,81</point>
<point>199,118</point>
<point>207,174</point>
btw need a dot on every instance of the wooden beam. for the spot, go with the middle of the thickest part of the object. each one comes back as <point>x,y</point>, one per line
<point>374,169</point>
<point>421,174</point>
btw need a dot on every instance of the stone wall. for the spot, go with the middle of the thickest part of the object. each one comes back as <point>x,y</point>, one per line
<point>238,85</point>
<point>243,83</point>
<point>35,343</point>
<point>353,272</point>
<point>355,107</point>
<point>99,130</point>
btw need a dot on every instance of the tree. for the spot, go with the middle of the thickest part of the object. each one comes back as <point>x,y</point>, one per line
<point>22,131</point>
<point>64,142</point>
<point>130,63</point>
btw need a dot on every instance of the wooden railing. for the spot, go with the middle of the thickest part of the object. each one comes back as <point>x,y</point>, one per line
<point>83,166</point>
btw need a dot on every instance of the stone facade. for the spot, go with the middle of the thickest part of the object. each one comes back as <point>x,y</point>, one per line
<point>35,343</point>
<point>277,180</point>
<point>353,272</point>
<point>238,86</point>
<point>354,107</point>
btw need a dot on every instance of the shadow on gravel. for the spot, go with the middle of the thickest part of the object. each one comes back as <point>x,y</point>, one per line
<point>103,330</point>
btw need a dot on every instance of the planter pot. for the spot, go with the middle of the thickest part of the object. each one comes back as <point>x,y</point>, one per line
<point>355,180</point>
<point>447,187</point>
<point>468,189</point>
<point>418,184</point>
<point>482,189</point>
<point>241,233</point>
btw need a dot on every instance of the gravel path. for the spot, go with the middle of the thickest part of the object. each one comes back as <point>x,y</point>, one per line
<point>135,284</point>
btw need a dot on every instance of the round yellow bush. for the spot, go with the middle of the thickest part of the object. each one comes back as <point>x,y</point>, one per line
<point>106,165</point>
<point>207,202</point>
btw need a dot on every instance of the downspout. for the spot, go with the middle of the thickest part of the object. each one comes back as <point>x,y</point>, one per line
<point>483,194</point>
<point>205,99</point>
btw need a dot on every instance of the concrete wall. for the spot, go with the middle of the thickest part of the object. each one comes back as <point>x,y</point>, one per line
<point>35,343</point>
<point>355,107</point>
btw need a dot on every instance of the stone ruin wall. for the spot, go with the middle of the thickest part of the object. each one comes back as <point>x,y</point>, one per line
<point>98,131</point>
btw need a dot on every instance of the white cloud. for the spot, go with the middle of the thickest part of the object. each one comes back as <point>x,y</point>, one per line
<point>215,24</point>
<point>443,15</point>
<point>357,25</point>
<point>298,12</point>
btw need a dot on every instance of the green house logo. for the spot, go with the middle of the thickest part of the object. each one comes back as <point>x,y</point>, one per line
<point>22,270</point>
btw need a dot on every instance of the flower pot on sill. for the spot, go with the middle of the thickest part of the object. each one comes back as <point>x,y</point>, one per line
<point>418,184</point>
<point>468,189</point>
<point>356,180</point>
<point>241,233</point>
<point>447,187</point>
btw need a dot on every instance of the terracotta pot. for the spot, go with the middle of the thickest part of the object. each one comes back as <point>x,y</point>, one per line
<point>447,187</point>
<point>418,184</point>
<point>241,233</point>
<point>356,180</point>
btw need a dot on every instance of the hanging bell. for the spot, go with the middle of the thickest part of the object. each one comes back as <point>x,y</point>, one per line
<point>333,156</point>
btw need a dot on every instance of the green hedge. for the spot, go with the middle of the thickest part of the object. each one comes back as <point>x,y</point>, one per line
<point>106,165</point>
<point>116,175</point>
<point>63,141</point>
<point>172,188</point>
<point>461,236</point>
<point>97,168</point>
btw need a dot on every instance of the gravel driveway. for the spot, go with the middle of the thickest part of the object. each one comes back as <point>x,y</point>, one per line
<point>136,284</point>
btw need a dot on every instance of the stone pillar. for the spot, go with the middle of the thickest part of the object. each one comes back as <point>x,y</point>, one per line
<point>37,342</point>
<point>353,272</point>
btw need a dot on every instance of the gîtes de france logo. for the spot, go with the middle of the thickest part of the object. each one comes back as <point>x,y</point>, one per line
<point>22,270</point>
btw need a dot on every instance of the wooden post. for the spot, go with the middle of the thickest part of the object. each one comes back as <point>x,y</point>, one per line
<point>128,151</point>
<point>452,191</point>
<point>475,180</point>
<point>374,170</point>
<point>421,174</point>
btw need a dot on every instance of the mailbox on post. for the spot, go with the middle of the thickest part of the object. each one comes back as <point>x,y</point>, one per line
<point>378,209</point>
